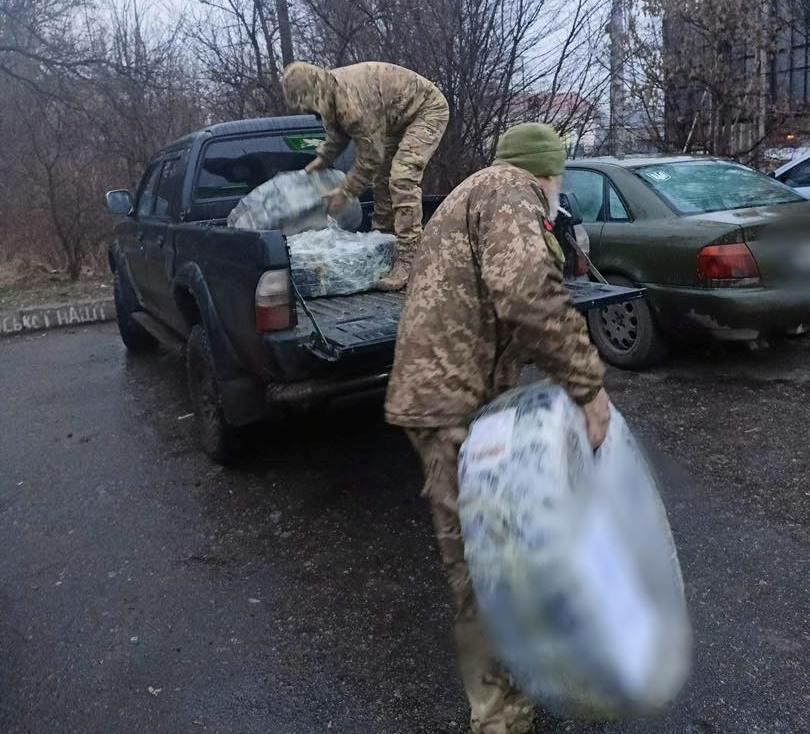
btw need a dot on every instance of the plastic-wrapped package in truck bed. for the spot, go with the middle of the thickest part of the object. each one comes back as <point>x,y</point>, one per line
<point>291,201</point>
<point>328,257</point>
<point>572,558</point>
<point>333,262</point>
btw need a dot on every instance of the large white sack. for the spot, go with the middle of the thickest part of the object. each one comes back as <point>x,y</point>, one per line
<point>333,262</point>
<point>291,201</point>
<point>572,558</point>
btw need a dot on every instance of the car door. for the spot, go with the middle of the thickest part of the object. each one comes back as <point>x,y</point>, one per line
<point>158,244</point>
<point>623,246</point>
<point>589,188</point>
<point>615,243</point>
<point>134,244</point>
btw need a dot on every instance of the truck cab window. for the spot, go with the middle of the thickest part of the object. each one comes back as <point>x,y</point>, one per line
<point>147,191</point>
<point>236,167</point>
<point>233,168</point>
<point>167,202</point>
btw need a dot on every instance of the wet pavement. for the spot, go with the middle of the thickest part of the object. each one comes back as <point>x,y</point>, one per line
<point>143,589</point>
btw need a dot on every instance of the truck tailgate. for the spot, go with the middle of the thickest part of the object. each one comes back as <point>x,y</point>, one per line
<point>349,324</point>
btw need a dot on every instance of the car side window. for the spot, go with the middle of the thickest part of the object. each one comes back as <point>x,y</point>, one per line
<point>589,188</point>
<point>617,211</point>
<point>148,189</point>
<point>167,201</point>
<point>799,175</point>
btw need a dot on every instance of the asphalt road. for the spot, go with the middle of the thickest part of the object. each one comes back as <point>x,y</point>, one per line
<point>144,590</point>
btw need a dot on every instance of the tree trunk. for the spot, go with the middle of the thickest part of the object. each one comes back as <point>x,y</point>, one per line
<point>74,266</point>
<point>617,45</point>
<point>285,32</point>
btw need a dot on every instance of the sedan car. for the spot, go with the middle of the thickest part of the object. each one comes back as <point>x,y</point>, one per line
<point>722,250</point>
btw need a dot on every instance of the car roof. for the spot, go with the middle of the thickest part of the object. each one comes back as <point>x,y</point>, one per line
<point>253,125</point>
<point>800,158</point>
<point>635,161</point>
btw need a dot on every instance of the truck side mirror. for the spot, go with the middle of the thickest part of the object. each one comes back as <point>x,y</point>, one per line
<point>569,202</point>
<point>119,202</point>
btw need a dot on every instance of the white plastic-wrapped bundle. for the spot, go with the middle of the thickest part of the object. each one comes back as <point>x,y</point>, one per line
<point>333,262</point>
<point>572,558</point>
<point>291,201</point>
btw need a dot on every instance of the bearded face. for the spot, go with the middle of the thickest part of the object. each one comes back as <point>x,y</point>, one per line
<point>552,187</point>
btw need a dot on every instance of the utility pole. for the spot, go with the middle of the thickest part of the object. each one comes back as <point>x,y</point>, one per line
<point>617,50</point>
<point>284,31</point>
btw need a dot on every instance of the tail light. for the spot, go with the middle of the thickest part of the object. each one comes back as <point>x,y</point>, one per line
<point>582,264</point>
<point>273,312</point>
<point>727,266</point>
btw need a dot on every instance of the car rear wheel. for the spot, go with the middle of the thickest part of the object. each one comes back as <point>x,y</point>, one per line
<point>134,336</point>
<point>217,437</point>
<point>626,334</point>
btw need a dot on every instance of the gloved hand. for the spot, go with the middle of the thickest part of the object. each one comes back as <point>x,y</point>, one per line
<point>335,201</point>
<point>597,417</point>
<point>316,164</point>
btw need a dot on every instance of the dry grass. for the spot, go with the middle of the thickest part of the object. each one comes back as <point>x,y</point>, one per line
<point>23,285</point>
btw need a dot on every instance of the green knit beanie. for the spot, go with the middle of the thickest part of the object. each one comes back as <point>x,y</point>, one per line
<point>534,147</point>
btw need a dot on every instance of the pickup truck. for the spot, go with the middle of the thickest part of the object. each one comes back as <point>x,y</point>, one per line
<point>254,347</point>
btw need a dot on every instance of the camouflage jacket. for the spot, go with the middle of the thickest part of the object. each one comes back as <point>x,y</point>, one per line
<point>485,297</point>
<point>368,103</point>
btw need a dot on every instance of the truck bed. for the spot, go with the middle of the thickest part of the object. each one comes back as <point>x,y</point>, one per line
<point>353,323</point>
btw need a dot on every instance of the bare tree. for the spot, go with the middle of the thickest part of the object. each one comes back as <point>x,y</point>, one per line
<point>574,78</point>
<point>147,94</point>
<point>240,45</point>
<point>707,73</point>
<point>43,38</point>
<point>487,57</point>
<point>66,180</point>
<point>70,136</point>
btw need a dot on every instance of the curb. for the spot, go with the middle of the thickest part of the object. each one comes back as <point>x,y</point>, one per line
<point>50,316</point>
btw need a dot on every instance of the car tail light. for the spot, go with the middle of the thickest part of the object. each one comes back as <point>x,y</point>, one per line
<point>273,312</point>
<point>582,264</point>
<point>728,265</point>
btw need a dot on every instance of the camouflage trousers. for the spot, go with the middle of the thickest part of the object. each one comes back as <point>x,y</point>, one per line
<point>496,706</point>
<point>398,182</point>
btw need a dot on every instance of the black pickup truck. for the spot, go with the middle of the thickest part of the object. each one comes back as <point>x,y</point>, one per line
<point>254,347</point>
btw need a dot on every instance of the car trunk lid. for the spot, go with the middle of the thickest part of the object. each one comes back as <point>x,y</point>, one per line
<point>778,237</point>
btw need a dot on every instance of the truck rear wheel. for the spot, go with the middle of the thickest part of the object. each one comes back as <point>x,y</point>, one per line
<point>134,336</point>
<point>217,437</point>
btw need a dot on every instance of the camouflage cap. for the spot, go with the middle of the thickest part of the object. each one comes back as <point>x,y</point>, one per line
<point>308,88</point>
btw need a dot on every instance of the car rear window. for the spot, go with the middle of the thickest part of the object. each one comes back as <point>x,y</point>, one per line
<point>697,187</point>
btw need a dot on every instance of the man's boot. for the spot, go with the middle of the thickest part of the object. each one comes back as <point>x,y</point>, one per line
<point>397,279</point>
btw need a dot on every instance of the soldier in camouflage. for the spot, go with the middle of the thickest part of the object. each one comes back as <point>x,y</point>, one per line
<point>486,297</point>
<point>396,119</point>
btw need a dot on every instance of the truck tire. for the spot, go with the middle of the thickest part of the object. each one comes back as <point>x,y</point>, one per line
<point>135,337</point>
<point>216,436</point>
<point>626,334</point>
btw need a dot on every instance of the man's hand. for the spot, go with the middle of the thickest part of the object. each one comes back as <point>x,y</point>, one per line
<point>335,201</point>
<point>316,164</point>
<point>597,417</point>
